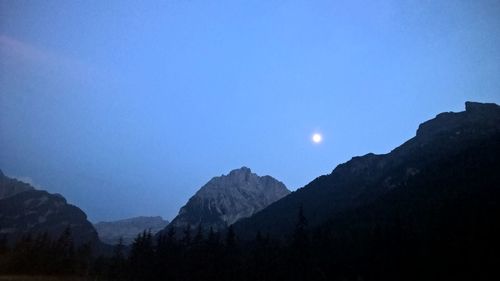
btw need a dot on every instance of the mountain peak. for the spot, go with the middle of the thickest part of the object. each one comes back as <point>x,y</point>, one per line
<point>224,200</point>
<point>243,170</point>
<point>477,107</point>
<point>477,116</point>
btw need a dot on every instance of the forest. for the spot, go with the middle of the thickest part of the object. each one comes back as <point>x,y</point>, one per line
<point>320,253</point>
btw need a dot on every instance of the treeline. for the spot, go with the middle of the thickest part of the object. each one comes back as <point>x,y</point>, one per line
<point>41,255</point>
<point>206,255</point>
<point>194,254</point>
<point>375,244</point>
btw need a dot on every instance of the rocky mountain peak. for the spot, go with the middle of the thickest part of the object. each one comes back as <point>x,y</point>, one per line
<point>477,117</point>
<point>243,171</point>
<point>225,199</point>
<point>477,107</point>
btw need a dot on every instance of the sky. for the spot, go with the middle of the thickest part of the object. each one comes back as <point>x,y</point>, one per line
<point>128,107</point>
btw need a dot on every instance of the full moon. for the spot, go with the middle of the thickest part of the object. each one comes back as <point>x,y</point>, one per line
<point>317,138</point>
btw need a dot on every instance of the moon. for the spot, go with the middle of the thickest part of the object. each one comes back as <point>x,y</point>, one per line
<point>317,138</point>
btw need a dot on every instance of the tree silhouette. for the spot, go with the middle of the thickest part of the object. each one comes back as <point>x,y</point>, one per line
<point>231,256</point>
<point>141,260</point>
<point>63,253</point>
<point>299,250</point>
<point>117,264</point>
<point>168,261</point>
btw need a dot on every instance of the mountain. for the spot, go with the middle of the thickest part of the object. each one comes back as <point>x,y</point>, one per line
<point>128,229</point>
<point>448,173</point>
<point>10,187</point>
<point>226,199</point>
<point>25,210</point>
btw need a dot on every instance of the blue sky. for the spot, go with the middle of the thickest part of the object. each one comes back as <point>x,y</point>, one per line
<point>128,107</point>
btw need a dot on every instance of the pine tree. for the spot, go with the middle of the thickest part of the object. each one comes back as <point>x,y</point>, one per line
<point>41,253</point>
<point>84,259</point>
<point>20,257</point>
<point>231,256</point>
<point>230,238</point>
<point>168,256</point>
<point>64,253</point>
<point>141,257</point>
<point>299,256</point>
<point>214,255</point>
<point>117,262</point>
<point>300,234</point>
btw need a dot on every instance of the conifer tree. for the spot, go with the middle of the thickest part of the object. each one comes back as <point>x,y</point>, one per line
<point>299,255</point>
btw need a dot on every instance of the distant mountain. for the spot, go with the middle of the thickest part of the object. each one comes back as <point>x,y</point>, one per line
<point>25,210</point>
<point>228,198</point>
<point>447,175</point>
<point>128,229</point>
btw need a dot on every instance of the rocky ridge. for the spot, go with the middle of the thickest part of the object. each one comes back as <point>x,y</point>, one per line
<point>24,210</point>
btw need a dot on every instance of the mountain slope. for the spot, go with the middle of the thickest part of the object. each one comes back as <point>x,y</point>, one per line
<point>364,180</point>
<point>226,199</point>
<point>10,187</point>
<point>26,210</point>
<point>128,229</point>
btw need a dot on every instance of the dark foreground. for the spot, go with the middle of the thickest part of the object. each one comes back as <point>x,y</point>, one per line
<point>383,253</point>
<point>42,278</point>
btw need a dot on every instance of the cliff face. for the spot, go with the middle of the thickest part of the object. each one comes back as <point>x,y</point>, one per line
<point>25,210</point>
<point>128,229</point>
<point>228,198</point>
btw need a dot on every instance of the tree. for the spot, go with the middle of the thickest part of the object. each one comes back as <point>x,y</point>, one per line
<point>300,234</point>
<point>117,263</point>
<point>63,251</point>
<point>230,238</point>
<point>141,259</point>
<point>262,259</point>
<point>214,254</point>
<point>299,250</point>
<point>167,261</point>
<point>231,256</point>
